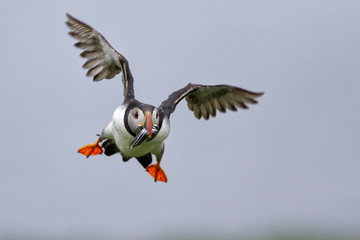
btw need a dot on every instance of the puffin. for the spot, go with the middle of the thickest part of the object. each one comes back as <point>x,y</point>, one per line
<point>138,130</point>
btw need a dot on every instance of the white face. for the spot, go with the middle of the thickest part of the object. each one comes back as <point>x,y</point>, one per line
<point>137,117</point>
<point>155,117</point>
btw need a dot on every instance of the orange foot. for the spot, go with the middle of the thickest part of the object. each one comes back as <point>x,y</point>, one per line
<point>156,172</point>
<point>91,149</point>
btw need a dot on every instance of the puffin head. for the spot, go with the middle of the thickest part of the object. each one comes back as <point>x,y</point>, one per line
<point>144,122</point>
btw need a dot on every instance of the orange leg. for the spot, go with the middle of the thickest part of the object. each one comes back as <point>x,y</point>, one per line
<point>91,149</point>
<point>157,172</point>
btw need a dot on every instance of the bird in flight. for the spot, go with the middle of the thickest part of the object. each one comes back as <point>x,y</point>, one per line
<point>138,129</point>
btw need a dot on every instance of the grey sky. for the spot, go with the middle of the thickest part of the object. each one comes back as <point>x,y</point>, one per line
<point>290,161</point>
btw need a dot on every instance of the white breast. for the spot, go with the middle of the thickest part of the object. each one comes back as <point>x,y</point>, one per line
<point>123,139</point>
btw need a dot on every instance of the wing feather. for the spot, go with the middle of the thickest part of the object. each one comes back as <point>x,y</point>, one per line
<point>93,71</point>
<point>104,62</point>
<point>205,100</point>
<point>211,109</point>
<point>101,75</point>
<point>218,105</point>
<point>92,62</point>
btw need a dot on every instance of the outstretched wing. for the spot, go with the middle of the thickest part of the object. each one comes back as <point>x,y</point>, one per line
<point>103,61</point>
<point>205,100</point>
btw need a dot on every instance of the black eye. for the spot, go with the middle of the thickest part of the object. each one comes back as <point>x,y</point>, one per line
<point>157,115</point>
<point>136,115</point>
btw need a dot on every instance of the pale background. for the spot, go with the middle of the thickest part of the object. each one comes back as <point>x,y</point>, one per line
<point>290,162</point>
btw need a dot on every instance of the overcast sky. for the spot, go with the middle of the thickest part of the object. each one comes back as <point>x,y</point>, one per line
<point>291,161</point>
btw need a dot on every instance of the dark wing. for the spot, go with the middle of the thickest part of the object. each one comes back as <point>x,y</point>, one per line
<point>103,60</point>
<point>206,100</point>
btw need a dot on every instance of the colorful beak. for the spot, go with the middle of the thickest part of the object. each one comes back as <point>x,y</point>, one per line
<point>148,124</point>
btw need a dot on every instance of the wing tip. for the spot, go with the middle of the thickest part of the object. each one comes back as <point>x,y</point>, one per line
<point>71,18</point>
<point>259,94</point>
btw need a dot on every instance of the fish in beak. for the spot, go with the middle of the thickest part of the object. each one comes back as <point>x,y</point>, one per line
<point>146,131</point>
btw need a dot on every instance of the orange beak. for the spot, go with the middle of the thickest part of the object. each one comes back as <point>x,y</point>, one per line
<point>148,124</point>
